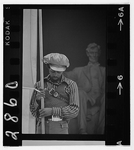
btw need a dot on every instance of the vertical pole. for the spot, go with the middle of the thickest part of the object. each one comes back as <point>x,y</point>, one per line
<point>41,67</point>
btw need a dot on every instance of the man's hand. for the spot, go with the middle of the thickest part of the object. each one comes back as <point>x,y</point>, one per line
<point>44,112</point>
<point>40,94</point>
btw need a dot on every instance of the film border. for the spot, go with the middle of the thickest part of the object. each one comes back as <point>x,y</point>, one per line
<point>117,108</point>
<point>12,76</point>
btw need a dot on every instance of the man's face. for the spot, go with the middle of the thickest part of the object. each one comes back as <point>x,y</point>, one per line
<point>55,75</point>
<point>93,55</point>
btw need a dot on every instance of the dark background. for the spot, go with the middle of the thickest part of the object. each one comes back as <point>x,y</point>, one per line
<point>69,31</point>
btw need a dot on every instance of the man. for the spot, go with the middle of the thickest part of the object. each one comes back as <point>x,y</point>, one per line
<point>90,80</point>
<point>60,96</point>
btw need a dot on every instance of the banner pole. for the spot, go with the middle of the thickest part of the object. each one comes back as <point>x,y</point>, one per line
<point>41,67</point>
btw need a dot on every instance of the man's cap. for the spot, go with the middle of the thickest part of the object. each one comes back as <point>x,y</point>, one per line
<point>56,61</point>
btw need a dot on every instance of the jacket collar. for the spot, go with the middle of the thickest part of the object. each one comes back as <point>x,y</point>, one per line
<point>63,79</point>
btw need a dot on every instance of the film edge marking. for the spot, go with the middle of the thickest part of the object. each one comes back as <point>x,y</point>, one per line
<point>11,85</point>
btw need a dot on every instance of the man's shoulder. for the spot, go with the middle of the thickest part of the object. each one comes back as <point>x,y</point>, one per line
<point>69,81</point>
<point>39,81</point>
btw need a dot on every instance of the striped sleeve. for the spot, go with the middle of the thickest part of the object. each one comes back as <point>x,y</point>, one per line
<point>33,103</point>
<point>71,111</point>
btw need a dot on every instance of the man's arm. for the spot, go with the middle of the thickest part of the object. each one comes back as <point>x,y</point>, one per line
<point>34,106</point>
<point>71,111</point>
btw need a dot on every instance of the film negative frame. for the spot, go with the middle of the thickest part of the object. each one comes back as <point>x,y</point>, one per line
<point>117,106</point>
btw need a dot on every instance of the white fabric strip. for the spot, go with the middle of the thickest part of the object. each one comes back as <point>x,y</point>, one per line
<point>29,66</point>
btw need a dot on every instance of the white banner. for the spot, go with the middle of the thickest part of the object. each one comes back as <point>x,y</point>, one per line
<point>29,67</point>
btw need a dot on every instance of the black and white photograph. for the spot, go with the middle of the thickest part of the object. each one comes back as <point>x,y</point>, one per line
<point>69,71</point>
<point>70,44</point>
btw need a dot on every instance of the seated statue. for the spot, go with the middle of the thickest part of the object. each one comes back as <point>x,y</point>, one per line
<point>90,80</point>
